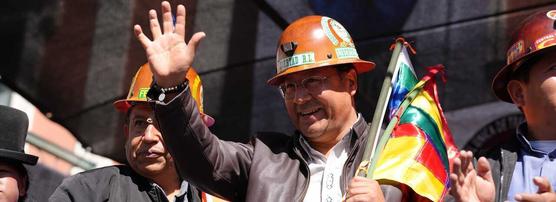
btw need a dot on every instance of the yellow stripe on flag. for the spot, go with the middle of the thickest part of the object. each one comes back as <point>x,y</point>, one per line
<point>397,163</point>
<point>425,102</point>
<point>423,182</point>
<point>396,155</point>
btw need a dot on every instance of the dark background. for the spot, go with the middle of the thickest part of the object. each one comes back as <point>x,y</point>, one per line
<point>73,58</point>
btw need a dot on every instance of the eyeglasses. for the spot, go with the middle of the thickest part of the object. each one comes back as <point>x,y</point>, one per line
<point>313,84</point>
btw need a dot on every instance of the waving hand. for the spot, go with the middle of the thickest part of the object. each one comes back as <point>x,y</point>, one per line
<point>168,54</point>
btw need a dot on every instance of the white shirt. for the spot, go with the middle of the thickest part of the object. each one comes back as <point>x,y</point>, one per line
<point>324,184</point>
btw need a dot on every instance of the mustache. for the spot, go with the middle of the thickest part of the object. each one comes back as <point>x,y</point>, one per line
<point>150,150</point>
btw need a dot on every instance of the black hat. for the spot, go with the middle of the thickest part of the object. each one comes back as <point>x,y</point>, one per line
<point>13,130</point>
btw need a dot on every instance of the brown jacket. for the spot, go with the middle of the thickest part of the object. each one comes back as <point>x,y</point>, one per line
<point>270,167</point>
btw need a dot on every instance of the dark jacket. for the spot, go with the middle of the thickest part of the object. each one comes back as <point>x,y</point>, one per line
<point>502,161</point>
<point>112,183</point>
<point>270,167</point>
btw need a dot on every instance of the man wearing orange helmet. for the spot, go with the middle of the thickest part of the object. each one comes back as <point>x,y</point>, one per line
<point>524,168</point>
<point>151,174</point>
<point>317,67</point>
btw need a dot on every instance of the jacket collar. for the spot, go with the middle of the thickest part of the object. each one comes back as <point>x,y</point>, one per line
<point>359,126</point>
<point>522,134</point>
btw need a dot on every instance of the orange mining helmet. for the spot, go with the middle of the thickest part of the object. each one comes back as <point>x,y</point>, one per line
<point>536,35</point>
<point>312,42</point>
<point>141,83</point>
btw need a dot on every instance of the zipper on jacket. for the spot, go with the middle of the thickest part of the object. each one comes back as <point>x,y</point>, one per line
<point>344,171</point>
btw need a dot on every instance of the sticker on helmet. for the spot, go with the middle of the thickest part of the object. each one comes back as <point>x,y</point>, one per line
<point>346,53</point>
<point>515,51</point>
<point>551,14</point>
<point>338,29</point>
<point>326,28</point>
<point>295,60</point>
<point>341,31</point>
<point>143,93</point>
<point>545,41</point>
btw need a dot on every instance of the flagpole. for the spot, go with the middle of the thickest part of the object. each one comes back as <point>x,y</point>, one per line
<point>380,111</point>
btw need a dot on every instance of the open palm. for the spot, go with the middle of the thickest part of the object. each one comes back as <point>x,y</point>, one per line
<point>470,184</point>
<point>168,54</point>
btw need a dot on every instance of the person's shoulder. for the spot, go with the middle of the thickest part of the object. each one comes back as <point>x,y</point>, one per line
<point>115,169</point>
<point>94,176</point>
<point>91,184</point>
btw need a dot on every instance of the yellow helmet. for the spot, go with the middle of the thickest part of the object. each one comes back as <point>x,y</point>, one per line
<point>313,42</point>
<point>141,83</point>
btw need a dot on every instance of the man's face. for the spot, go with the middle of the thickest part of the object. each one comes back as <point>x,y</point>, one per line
<point>322,115</point>
<point>539,93</point>
<point>144,146</point>
<point>12,185</point>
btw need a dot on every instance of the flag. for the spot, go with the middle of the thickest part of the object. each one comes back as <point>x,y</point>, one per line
<point>403,81</point>
<point>420,147</point>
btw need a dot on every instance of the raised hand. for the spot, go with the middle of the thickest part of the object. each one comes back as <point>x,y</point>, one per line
<point>364,189</point>
<point>468,184</point>
<point>545,192</point>
<point>168,54</point>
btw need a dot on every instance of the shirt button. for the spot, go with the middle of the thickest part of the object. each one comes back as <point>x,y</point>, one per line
<point>329,181</point>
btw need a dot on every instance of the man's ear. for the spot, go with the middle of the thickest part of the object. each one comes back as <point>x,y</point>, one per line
<point>516,90</point>
<point>351,77</point>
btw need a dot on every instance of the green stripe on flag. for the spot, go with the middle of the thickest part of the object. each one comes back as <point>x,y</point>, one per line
<point>422,120</point>
<point>406,77</point>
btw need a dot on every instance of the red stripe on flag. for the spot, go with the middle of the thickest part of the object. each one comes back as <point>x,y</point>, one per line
<point>430,158</point>
<point>407,130</point>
